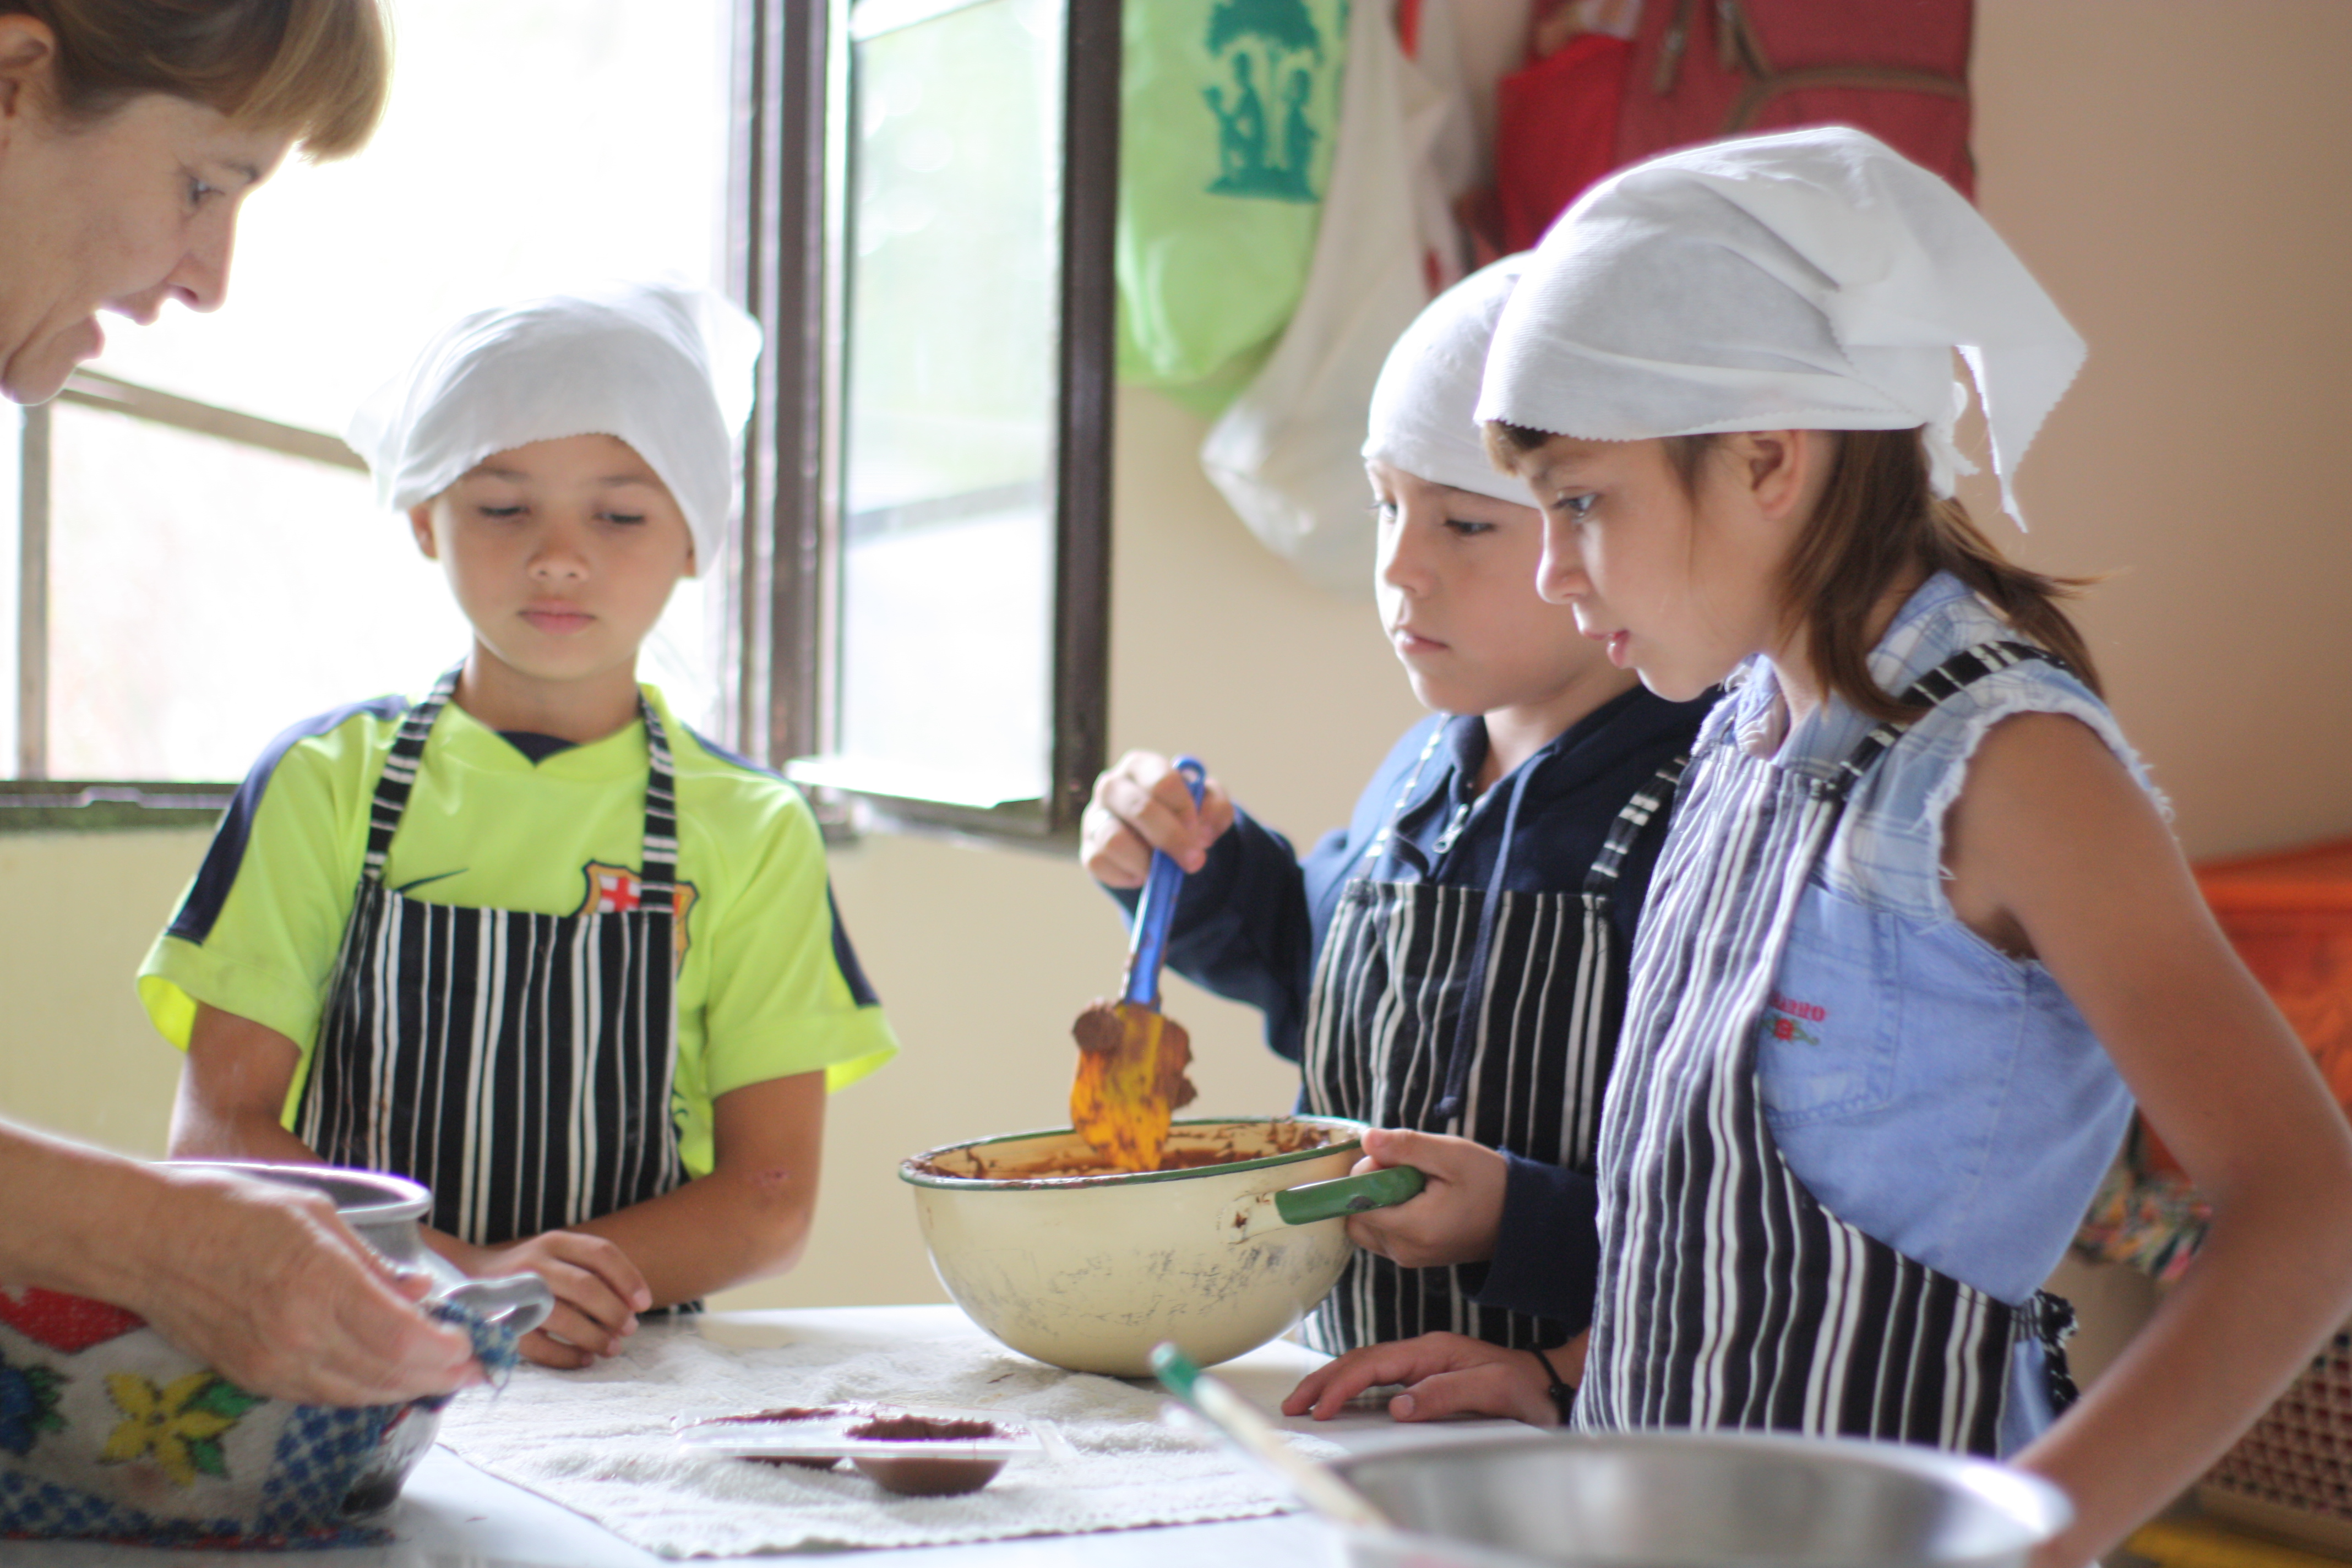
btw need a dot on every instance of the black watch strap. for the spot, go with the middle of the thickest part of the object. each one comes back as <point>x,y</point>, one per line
<point>1563,1394</point>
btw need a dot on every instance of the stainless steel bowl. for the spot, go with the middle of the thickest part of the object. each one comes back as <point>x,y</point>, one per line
<point>387,1212</point>
<point>1679,1500</point>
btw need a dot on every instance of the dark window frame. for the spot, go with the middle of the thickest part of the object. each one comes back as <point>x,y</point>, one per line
<point>792,83</point>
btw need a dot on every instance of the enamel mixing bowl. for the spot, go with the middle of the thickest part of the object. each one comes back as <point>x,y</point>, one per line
<point>1686,1499</point>
<point>1088,1271</point>
<point>387,1212</point>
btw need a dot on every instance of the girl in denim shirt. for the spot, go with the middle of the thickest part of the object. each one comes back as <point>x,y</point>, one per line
<point>1919,935</point>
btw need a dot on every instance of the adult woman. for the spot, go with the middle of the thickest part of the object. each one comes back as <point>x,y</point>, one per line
<point>131,132</point>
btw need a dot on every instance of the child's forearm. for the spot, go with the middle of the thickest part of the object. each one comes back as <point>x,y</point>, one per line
<point>715,1232</point>
<point>2219,1350</point>
<point>749,1216</point>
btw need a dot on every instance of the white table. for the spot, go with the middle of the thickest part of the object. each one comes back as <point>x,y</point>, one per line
<point>451,1515</point>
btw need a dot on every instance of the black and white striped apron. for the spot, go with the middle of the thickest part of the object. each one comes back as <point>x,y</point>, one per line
<point>1729,1297</point>
<point>1425,1014</point>
<point>519,1064</point>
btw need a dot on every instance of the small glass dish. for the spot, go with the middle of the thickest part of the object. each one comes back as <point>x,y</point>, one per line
<point>947,1459</point>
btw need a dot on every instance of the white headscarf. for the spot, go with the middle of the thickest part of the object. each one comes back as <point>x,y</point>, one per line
<point>1424,404</point>
<point>664,365</point>
<point>1815,279</point>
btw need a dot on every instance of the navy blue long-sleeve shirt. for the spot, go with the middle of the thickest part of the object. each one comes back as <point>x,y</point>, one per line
<point>1251,923</point>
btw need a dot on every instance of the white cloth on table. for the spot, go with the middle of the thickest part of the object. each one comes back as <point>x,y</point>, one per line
<point>599,1442</point>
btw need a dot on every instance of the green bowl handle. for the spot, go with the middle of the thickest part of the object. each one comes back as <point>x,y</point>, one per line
<point>1348,1195</point>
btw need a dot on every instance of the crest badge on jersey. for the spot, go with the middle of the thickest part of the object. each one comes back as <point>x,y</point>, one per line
<point>615,890</point>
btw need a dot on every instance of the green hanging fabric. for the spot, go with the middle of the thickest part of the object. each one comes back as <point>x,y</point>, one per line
<point>1226,136</point>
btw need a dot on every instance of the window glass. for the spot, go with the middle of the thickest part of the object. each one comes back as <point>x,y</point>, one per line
<point>12,436</point>
<point>165,611</point>
<point>950,403</point>
<point>205,594</point>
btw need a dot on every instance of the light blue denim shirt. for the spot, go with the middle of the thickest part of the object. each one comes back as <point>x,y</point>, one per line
<point>1939,1095</point>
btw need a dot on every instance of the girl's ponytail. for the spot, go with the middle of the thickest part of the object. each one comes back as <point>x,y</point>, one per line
<point>1877,523</point>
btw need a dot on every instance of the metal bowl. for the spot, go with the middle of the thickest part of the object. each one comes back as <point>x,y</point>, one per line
<point>1088,1271</point>
<point>386,1212</point>
<point>1682,1499</point>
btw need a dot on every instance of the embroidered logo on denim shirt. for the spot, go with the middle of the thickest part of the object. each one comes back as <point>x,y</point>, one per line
<point>1786,1019</point>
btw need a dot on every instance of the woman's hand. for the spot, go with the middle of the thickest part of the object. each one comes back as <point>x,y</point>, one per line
<point>1141,804</point>
<point>1453,1219</point>
<point>1443,1375</point>
<point>268,1286</point>
<point>598,1291</point>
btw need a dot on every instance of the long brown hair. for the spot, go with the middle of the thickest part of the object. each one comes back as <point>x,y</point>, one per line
<point>1877,523</point>
<point>319,69</point>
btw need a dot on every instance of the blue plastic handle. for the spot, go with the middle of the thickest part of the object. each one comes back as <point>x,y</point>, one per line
<point>1155,911</point>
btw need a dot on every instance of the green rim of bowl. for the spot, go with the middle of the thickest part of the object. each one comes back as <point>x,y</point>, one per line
<point>908,1174</point>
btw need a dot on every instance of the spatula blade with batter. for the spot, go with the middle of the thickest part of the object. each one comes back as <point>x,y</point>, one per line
<point>1131,1057</point>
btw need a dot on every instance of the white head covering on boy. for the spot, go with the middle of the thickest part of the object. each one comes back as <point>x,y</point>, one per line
<point>1814,279</point>
<point>664,365</point>
<point>1423,415</point>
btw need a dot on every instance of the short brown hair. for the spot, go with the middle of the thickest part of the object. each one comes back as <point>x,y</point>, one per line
<point>1876,521</point>
<point>317,68</point>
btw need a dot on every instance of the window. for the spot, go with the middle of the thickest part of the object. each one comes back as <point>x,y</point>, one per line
<point>936,596</point>
<point>216,566</point>
<point>914,196</point>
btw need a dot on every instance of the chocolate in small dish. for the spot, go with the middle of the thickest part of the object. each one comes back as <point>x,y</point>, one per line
<point>921,1476</point>
<point>782,1414</point>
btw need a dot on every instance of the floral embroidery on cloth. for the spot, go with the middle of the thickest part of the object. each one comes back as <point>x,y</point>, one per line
<point>109,1432</point>
<point>28,1405</point>
<point>180,1426</point>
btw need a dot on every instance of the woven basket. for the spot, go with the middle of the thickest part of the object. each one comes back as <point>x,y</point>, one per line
<point>2291,1475</point>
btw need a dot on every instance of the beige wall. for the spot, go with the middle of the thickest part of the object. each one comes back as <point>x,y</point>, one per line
<point>2169,167</point>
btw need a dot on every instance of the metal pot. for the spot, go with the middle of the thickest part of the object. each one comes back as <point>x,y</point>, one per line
<point>1090,1270</point>
<point>386,1212</point>
<point>1686,1499</point>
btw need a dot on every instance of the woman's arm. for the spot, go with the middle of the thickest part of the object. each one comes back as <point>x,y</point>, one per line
<point>2054,849</point>
<point>261,1283</point>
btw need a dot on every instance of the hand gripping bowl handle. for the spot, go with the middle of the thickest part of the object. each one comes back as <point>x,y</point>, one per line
<point>1348,1195</point>
<point>523,1300</point>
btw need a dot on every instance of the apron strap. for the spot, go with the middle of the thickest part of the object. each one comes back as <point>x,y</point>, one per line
<point>1640,809</point>
<point>657,870</point>
<point>656,877</point>
<point>2050,1319</point>
<point>399,775</point>
<point>1378,846</point>
<point>1962,669</point>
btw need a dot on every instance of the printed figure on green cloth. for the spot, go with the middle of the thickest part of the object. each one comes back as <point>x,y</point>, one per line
<point>1251,160</point>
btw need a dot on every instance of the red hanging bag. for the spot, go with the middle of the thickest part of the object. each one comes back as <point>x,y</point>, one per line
<point>1704,69</point>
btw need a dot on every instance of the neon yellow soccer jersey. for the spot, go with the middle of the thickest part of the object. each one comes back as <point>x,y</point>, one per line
<point>767,985</point>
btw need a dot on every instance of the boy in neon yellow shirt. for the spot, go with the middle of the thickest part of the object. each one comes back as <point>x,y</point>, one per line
<point>532,941</point>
